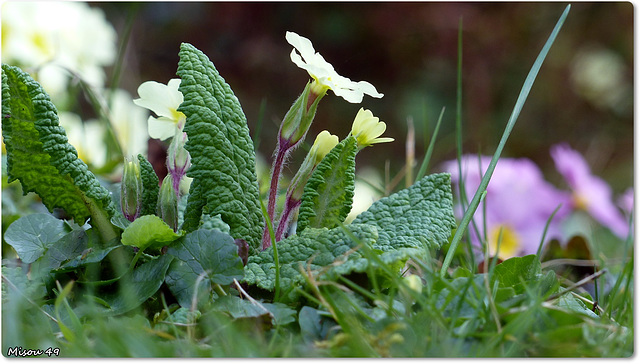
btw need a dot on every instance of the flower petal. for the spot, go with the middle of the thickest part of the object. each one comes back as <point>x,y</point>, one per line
<point>159,98</point>
<point>161,128</point>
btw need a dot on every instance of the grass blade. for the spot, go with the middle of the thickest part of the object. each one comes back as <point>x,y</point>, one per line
<point>432,142</point>
<point>522,97</point>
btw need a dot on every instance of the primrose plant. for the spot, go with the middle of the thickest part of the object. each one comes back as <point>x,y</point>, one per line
<point>199,240</point>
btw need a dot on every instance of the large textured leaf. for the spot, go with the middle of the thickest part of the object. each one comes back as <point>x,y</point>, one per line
<point>328,195</point>
<point>420,216</point>
<point>39,155</point>
<point>222,155</point>
<point>207,253</point>
<point>150,187</point>
<point>313,249</point>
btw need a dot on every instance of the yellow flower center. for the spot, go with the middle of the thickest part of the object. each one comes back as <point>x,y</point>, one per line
<point>40,41</point>
<point>178,116</point>
<point>580,201</point>
<point>509,240</point>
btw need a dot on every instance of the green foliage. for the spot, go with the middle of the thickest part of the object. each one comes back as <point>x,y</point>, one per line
<point>150,187</point>
<point>203,258</point>
<point>420,216</point>
<point>276,313</point>
<point>328,195</point>
<point>32,235</point>
<point>315,250</point>
<point>136,287</point>
<point>148,231</point>
<point>513,271</point>
<point>222,155</point>
<point>39,155</point>
<point>369,289</point>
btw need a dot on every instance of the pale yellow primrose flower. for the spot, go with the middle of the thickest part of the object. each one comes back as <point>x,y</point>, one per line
<point>367,128</point>
<point>325,77</point>
<point>323,144</point>
<point>164,101</point>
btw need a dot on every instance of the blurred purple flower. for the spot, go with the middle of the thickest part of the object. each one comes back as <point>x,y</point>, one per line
<point>518,204</point>
<point>625,201</point>
<point>588,192</point>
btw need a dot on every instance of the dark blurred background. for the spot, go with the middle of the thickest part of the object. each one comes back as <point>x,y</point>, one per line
<point>583,94</point>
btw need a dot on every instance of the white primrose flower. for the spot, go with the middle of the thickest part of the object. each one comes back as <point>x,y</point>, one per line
<point>58,37</point>
<point>86,137</point>
<point>324,76</point>
<point>164,101</point>
<point>128,122</point>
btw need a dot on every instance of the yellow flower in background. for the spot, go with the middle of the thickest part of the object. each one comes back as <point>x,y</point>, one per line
<point>504,241</point>
<point>164,101</point>
<point>324,76</point>
<point>367,128</point>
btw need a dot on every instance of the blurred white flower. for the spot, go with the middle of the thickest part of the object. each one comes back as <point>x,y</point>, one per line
<point>129,123</point>
<point>324,76</point>
<point>600,75</point>
<point>164,101</point>
<point>50,37</point>
<point>365,194</point>
<point>87,138</point>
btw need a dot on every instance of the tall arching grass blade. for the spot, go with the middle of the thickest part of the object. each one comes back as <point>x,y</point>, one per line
<point>524,93</point>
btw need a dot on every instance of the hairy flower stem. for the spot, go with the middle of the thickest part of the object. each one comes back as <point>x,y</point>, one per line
<point>290,206</point>
<point>283,149</point>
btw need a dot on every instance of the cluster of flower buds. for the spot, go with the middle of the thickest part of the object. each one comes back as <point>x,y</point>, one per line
<point>178,161</point>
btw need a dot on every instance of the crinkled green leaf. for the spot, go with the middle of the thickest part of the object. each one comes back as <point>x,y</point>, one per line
<point>148,232</point>
<point>222,155</point>
<point>32,235</point>
<point>420,216</point>
<point>314,249</point>
<point>207,253</point>
<point>328,195</point>
<point>39,155</point>
<point>138,286</point>
<point>150,187</point>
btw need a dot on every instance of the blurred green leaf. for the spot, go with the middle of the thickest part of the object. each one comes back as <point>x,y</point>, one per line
<point>136,287</point>
<point>149,231</point>
<point>32,235</point>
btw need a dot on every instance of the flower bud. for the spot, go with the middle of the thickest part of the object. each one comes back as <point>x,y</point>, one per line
<point>131,189</point>
<point>323,144</point>
<point>299,117</point>
<point>178,159</point>
<point>168,203</point>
